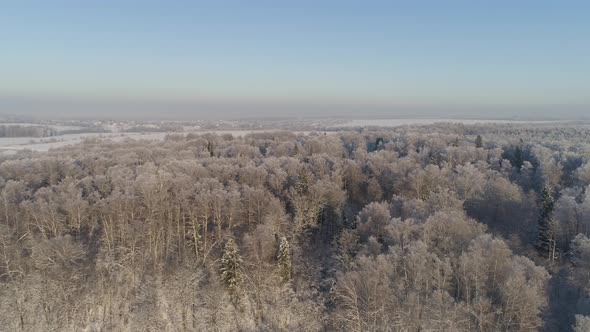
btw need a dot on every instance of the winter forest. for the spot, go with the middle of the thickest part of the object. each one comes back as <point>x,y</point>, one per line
<point>445,227</point>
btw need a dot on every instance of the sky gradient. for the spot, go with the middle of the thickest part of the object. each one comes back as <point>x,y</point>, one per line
<point>295,58</point>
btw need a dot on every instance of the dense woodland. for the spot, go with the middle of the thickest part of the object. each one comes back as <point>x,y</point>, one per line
<point>420,228</point>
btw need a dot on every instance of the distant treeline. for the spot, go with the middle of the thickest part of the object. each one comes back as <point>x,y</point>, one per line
<point>154,129</point>
<point>26,131</point>
<point>85,130</point>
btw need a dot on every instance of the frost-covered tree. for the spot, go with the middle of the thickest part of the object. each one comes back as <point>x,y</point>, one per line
<point>580,255</point>
<point>582,324</point>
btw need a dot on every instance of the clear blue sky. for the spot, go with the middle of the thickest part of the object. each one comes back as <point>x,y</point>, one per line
<point>383,57</point>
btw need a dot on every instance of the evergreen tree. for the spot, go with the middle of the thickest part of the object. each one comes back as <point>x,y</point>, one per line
<point>210,148</point>
<point>284,258</point>
<point>302,186</point>
<point>231,266</point>
<point>433,159</point>
<point>478,142</point>
<point>518,160</point>
<point>545,238</point>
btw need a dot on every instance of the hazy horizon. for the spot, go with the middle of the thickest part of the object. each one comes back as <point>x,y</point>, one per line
<point>132,109</point>
<point>149,59</point>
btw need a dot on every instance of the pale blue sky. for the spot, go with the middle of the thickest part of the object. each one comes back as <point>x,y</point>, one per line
<point>384,57</point>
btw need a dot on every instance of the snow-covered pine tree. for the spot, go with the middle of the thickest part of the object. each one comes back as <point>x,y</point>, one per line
<point>284,258</point>
<point>303,183</point>
<point>231,266</point>
<point>518,158</point>
<point>546,244</point>
<point>478,142</point>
